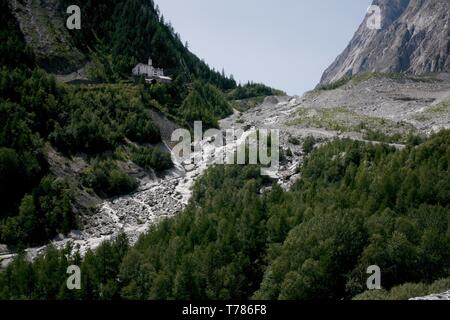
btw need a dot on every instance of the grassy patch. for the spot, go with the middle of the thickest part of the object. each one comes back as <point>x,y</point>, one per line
<point>343,119</point>
<point>406,291</point>
<point>247,104</point>
<point>427,115</point>
<point>336,84</point>
<point>331,118</point>
<point>442,107</point>
<point>422,117</point>
<point>359,78</point>
<point>252,90</point>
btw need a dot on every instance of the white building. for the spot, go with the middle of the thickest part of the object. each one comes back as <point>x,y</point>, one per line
<point>152,74</point>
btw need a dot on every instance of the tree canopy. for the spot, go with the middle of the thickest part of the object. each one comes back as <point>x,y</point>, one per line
<point>356,205</point>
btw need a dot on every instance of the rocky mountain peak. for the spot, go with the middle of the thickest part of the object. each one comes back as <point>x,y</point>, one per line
<point>414,38</point>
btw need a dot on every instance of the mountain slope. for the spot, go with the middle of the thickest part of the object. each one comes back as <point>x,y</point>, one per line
<point>414,38</point>
<point>43,28</point>
<point>356,205</point>
<point>116,34</point>
<point>66,147</point>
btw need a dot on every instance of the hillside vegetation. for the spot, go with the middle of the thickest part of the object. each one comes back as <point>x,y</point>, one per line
<point>95,120</point>
<point>118,34</point>
<point>35,111</point>
<point>356,205</point>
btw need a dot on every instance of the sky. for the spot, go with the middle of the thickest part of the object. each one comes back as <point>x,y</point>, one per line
<point>286,44</point>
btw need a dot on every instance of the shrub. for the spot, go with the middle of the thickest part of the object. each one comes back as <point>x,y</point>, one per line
<point>152,158</point>
<point>293,140</point>
<point>42,215</point>
<point>107,179</point>
<point>308,144</point>
<point>205,103</point>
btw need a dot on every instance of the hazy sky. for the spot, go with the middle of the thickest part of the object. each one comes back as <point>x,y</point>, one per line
<point>286,44</point>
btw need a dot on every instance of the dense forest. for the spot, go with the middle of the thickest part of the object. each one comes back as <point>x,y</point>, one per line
<point>356,205</point>
<point>36,111</point>
<point>108,121</point>
<point>251,90</point>
<point>131,31</point>
<point>118,34</point>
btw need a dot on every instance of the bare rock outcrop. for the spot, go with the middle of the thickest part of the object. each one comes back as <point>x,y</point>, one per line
<point>414,38</point>
<point>44,30</point>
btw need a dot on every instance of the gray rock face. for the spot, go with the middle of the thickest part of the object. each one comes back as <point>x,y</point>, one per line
<point>414,38</point>
<point>45,32</point>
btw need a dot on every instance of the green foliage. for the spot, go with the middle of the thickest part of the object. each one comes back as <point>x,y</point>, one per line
<point>406,291</point>
<point>100,119</point>
<point>151,158</point>
<point>442,107</point>
<point>14,177</point>
<point>116,36</point>
<point>414,140</point>
<point>343,119</point>
<point>293,140</point>
<point>246,104</point>
<point>361,77</point>
<point>199,255</point>
<point>308,144</point>
<point>74,119</point>
<point>205,103</point>
<point>13,50</point>
<point>42,215</point>
<point>102,67</point>
<point>46,277</point>
<point>34,110</point>
<point>377,135</point>
<point>391,193</point>
<point>124,32</point>
<point>30,201</point>
<point>252,90</point>
<point>107,179</point>
<point>139,127</point>
<point>336,84</point>
<point>356,205</point>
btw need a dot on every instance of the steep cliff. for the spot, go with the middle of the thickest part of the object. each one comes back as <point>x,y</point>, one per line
<point>414,38</point>
<point>43,27</point>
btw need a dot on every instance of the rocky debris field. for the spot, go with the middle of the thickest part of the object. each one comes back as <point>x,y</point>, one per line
<point>390,105</point>
<point>156,199</point>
